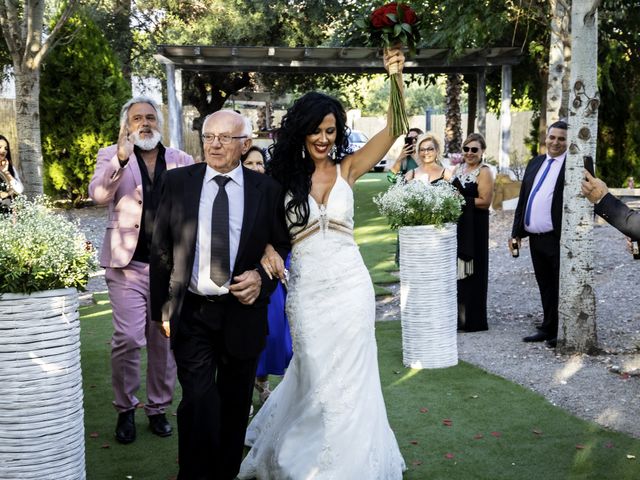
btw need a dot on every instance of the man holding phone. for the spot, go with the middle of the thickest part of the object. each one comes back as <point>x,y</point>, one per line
<point>405,160</point>
<point>609,207</point>
<point>539,217</point>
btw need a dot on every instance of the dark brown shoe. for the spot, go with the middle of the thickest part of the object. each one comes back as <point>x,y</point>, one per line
<point>126,427</point>
<point>159,425</point>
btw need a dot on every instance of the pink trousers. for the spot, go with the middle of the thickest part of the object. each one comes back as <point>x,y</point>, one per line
<point>133,329</point>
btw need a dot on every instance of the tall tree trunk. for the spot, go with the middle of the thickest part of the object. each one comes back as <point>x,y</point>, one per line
<point>566,78</point>
<point>472,100</point>
<point>577,309</point>
<point>558,66</point>
<point>28,127</point>
<point>453,127</point>
<point>124,45</point>
<point>542,123</point>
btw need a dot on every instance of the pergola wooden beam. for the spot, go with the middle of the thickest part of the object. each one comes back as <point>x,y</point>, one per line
<point>322,60</point>
<point>328,59</point>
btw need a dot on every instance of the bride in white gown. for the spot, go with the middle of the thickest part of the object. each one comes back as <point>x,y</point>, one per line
<point>327,418</point>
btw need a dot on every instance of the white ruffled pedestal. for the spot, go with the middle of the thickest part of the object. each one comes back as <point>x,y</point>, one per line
<point>41,412</point>
<point>428,296</point>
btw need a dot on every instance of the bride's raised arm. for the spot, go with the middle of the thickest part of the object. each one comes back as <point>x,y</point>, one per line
<point>360,162</point>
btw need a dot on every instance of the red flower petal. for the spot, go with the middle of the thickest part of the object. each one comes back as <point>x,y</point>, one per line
<point>496,434</point>
<point>449,455</point>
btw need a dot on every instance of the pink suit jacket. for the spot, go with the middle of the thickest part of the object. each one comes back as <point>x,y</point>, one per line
<point>121,189</point>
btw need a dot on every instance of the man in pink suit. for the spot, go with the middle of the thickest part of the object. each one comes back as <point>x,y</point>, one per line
<point>127,179</point>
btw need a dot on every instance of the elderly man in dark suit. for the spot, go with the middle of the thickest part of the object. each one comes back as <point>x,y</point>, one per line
<point>539,217</point>
<point>210,293</point>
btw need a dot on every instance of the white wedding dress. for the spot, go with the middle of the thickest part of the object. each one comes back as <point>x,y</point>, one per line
<point>327,418</point>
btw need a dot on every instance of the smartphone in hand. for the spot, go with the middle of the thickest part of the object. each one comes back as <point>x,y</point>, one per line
<point>588,165</point>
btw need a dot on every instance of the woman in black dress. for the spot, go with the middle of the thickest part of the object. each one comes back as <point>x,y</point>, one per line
<point>476,185</point>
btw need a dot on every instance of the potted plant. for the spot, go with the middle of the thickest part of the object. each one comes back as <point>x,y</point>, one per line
<point>426,217</point>
<point>44,259</point>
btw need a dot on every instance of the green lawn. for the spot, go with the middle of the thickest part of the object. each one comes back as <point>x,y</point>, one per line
<point>377,241</point>
<point>498,430</point>
<point>454,423</point>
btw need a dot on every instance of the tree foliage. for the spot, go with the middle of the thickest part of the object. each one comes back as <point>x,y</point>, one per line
<point>452,24</point>
<point>618,154</point>
<point>114,18</point>
<point>82,91</point>
<point>236,22</point>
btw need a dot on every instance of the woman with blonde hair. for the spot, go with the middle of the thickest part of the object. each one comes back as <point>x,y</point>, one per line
<point>430,169</point>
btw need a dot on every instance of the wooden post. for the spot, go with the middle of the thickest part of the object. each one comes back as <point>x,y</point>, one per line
<point>505,118</point>
<point>481,113</point>
<point>174,100</point>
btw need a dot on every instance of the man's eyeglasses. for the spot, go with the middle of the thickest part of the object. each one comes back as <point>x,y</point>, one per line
<point>470,149</point>
<point>427,149</point>
<point>223,138</point>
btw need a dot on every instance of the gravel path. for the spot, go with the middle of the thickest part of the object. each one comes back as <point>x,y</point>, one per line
<point>604,388</point>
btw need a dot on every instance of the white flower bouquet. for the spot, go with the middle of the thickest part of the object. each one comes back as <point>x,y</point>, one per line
<point>417,203</point>
<point>41,250</point>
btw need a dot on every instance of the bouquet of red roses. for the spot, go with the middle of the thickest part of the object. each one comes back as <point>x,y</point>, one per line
<point>393,24</point>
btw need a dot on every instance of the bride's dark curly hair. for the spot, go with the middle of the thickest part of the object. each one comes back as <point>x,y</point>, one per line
<point>288,165</point>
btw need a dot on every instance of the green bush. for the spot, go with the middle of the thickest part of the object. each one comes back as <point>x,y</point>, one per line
<point>82,90</point>
<point>41,250</point>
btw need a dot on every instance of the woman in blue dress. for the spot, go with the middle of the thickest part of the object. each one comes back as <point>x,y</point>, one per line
<point>277,353</point>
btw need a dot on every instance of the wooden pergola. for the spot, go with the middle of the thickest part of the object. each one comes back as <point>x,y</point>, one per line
<point>318,60</point>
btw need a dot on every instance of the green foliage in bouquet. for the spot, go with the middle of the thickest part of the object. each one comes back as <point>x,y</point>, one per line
<point>416,203</point>
<point>41,250</point>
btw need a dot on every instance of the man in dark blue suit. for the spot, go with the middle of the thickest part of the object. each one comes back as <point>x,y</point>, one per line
<point>539,217</point>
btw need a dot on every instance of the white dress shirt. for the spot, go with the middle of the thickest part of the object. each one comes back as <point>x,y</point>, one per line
<point>540,221</point>
<point>201,282</point>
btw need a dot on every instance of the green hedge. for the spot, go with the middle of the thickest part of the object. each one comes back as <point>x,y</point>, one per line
<point>82,91</point>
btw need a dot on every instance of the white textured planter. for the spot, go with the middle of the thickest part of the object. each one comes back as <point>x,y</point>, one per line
<point>428,296</point>
<point>41,412</point>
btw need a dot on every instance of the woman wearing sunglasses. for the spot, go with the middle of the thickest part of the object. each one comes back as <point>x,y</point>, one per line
<point>429,169</point>
<point>476,184</point>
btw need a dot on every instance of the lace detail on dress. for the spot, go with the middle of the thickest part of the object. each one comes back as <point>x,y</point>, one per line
<point>468,176</point>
